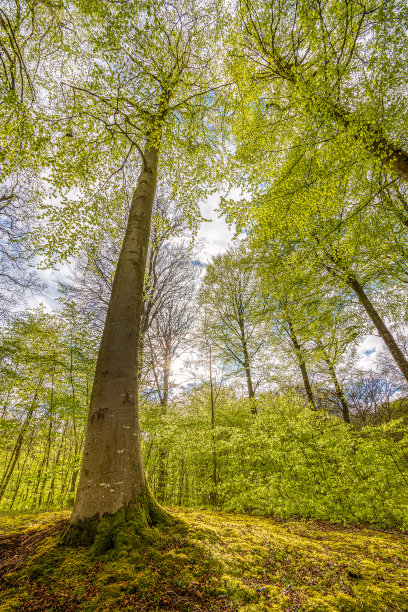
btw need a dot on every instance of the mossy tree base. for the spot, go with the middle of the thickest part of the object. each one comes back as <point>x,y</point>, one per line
<point>119,530</point>
<point>140,559</point>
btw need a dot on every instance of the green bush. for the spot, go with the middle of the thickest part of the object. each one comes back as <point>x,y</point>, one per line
<point>287,461</point>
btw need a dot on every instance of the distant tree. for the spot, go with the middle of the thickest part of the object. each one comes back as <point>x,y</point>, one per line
<point>46,368</point>
<point>235,312</point>
<point>18,280</point>
<point>168,332</point>
<point>370,398</point>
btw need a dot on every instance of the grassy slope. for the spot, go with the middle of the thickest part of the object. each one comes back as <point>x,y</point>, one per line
<point>215,561</point>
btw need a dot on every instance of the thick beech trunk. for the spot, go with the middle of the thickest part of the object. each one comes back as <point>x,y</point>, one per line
<point>112,473</point>
<point>382,329</point>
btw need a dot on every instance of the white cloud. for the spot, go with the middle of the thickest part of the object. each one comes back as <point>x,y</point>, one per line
<point>216,233</point>
<point>368,351</point>
<point>50,277</point>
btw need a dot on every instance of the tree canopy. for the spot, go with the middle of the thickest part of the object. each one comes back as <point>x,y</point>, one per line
<point>138,367</point>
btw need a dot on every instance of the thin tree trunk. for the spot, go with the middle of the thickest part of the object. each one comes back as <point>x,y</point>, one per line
<point>162,454</point>
<point>161,473</point>
<point>51,491</point>
<point>381,327</point>
<point>112,472</point>
<point>339,392</point>
<point>214,493</point>
<point>43,470</point>
<point>247,367</point>
<point>44,465</point>
<point>302,365</point>
<point>343,402</point>
<point>180,483</point>
<point>17,447</point>
<point>72,485</point>
<point>20,470</point>
<point>166,376</point>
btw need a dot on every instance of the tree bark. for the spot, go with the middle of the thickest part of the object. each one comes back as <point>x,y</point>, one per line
<point>17,447</point>
<point>112,472</point>
<point>372,138</point>
<point>247,367</point>
<point>381,327</point>
<point>302,365</point>
<point>214,492</point>
<point>339,392</point>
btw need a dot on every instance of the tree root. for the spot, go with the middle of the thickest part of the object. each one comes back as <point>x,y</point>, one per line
<point>119,530</point>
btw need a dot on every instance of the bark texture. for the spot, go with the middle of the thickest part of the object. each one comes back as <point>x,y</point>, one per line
<point>372,138</point>
<point>339,392</point>
<point>247,365</point>
<point>302,365</point>
<point>382,329</point>
<point>112,472</point>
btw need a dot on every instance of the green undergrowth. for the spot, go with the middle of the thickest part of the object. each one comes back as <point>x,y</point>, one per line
<point>206,561</point>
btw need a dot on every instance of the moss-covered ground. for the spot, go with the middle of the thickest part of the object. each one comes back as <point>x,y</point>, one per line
<point>205,561</point>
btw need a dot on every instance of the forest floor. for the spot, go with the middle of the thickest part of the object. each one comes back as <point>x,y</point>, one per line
<point>211,561</point>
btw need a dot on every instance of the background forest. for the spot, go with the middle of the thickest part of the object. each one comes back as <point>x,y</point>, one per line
<point>253,393</point>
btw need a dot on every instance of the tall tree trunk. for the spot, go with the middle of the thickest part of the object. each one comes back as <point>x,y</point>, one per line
<point>247,367</point>
<point>302,364</point>
<point>381,327</point>
<point>112,472</point>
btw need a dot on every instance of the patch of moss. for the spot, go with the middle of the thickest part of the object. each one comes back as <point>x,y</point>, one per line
<point>30,521</point>
<point>306,565</point>
<point>201,560</point>
<point>133,563</point>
